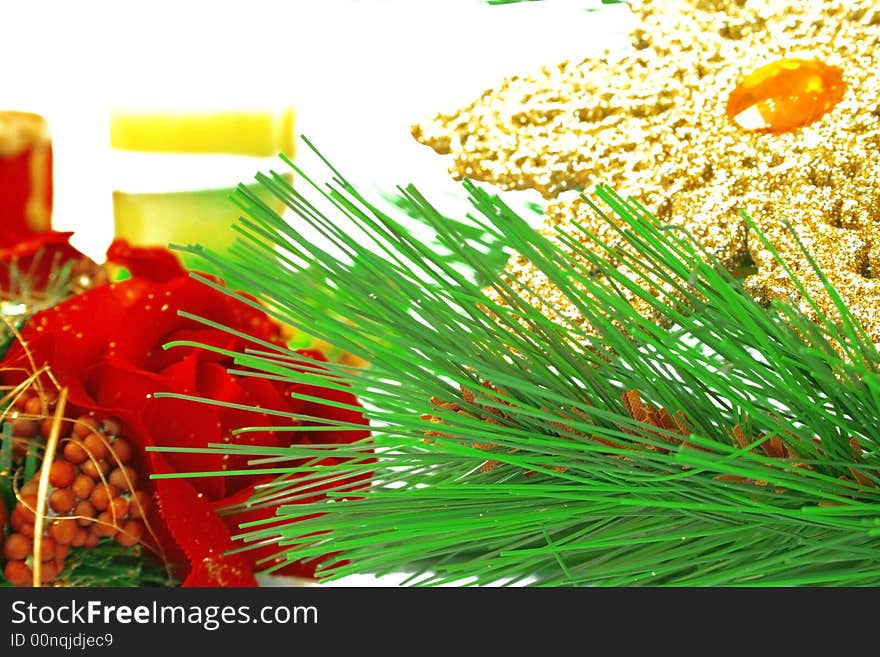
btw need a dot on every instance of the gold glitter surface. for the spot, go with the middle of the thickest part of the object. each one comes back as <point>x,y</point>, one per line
<point>652,123</point>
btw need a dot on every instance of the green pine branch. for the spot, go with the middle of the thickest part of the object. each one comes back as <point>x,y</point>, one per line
<point>506,450</point>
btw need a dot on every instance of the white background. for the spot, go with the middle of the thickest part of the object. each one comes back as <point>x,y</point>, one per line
<point>358,74</point>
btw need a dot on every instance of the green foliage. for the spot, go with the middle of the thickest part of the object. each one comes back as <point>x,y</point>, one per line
<point>110,565</point>
<point>545,476</point>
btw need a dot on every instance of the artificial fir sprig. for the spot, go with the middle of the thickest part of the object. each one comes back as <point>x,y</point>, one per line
<point>718,442</point>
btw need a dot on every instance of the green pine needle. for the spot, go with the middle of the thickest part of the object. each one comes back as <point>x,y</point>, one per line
<point>494,249</point>
<point>543,476</point>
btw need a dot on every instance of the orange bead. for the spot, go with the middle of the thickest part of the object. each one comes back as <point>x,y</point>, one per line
<point>106,525</point>
<point>74,452</point>
<point>46,427</point>
<point>121,451</point>
<point>25,427</point>
<point>86,512</point>
<point>131,533</point>
<point>48,570</point>
<point>123,478</point>
<point>96,445</point>
<point>47,548</point>
<point>80,537</point>
<point>63,531</point>
<point>61,552</point>
<point>84,425</point>
<point>17,546</point>
<point>18,573</point>
<point>96,469</point>
<point>27,507</point>
<point>82,486</point>
<point>785,95</point>
<point>34,406</point>
<point>62,500</point>
<point>62,474</point>
<point>118,508</point>
<point>101,496</point>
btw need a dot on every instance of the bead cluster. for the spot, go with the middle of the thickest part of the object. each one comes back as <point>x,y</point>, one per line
<point>92,493</point>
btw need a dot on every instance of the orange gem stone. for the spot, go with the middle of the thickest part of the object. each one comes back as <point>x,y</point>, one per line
<point>785,95</point>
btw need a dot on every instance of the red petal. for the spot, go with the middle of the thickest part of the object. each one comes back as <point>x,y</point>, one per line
<point>204,538</point>
<point>217,384</point>
<point>198,334</point>
<point>333,414</point>
<point>122,390</point>
<point>77,332</point>
<point>256,555</point>
<point>156,264</point>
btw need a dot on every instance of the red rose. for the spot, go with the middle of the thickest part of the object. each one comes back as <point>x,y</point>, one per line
<point>106,346</point>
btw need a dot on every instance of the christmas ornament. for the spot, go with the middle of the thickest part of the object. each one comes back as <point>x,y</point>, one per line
<point>126,393</point>
<point>785,95</point>
<point>800,149</point>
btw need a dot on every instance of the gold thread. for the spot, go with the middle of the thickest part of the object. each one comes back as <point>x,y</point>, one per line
<point>43,486</point>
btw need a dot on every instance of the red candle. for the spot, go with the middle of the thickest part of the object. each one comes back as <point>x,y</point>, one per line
<point>25,176</point>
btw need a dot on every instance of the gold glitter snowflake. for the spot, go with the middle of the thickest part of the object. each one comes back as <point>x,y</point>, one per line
<point>653,123</point>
